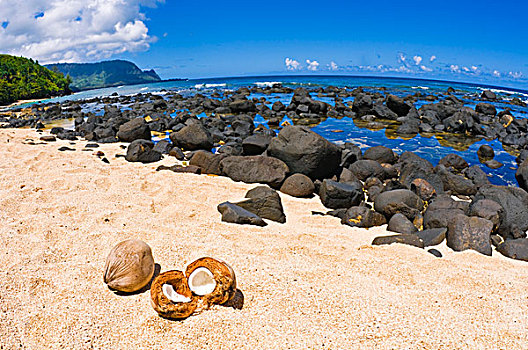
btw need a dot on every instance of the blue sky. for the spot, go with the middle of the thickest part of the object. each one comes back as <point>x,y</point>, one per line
<point>480,41</point>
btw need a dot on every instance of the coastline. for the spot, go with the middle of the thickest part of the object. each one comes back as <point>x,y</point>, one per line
<point>311,282</point>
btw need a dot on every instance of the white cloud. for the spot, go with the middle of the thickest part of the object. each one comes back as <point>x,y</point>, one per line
<point>292,64</point>
<point>74,30</point>
<point>333,66</point>
<point>432,59</point>
<point>312,65</point>
<point>417,60</point>
<point>426,69</point>
<point>496,73</point>
<point>454,68</point>
<point>474,68</point>
<point>515,75</point>
<point>465,69</point>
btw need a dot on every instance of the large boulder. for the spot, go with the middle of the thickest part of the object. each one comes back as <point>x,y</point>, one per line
<point>340,195</point>
<point>514,201</point>
<point>441,210</point>
<point>207,161</point>
<point>192,137</point>
<point>489,210</point>
<point>362,105</point>
<point>474,233</point>
<point>306,152</point>
<point>454,161</point>
<point>364,168</point>
<point>255,169</point>
<point>397,105</point>
<point>256,144</point>
<point>399,223</point>
<point>433,236</point>
<point>136,129</point>
<point>142,151</point>
<point>234,214</point>
<point>298,185</point>
<point>264,202</point>
<point>398,201</point>
<point>380,154</point>
<point>486,108</point>
<point>362,217</point>
<point>521,175</point>
<point>515,249</point>
<point>457,184</point>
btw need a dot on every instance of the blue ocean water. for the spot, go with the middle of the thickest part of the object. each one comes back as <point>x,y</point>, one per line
<point>432,148</point>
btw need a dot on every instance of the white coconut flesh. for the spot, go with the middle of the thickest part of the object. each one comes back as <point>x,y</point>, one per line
<point>172,295</point>
<point>201,281</point>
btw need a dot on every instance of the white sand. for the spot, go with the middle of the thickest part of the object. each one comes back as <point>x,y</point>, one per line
<point>310,283</point>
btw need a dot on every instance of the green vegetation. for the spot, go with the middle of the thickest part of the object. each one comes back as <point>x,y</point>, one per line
<point>104,74</point>
<point>23,79</point>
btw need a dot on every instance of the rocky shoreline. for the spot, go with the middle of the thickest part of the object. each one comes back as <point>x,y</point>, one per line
<point>423,203</point>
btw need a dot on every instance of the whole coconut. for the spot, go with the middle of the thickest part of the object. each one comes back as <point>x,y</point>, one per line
<point>129,266</point>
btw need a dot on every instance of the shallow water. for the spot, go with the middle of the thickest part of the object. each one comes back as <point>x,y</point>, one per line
<point>432,148</point>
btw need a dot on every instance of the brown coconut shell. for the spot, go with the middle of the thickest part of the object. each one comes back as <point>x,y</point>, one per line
<point>129,266</point>
<point>166,307</point>
<point>224,276</point>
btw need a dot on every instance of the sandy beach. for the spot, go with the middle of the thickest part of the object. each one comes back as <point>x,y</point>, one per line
<point>311,283</point>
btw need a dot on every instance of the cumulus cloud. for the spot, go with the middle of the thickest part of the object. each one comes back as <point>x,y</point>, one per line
<point>74,30</point>
<point>417,60</point>
<point>312,65</point>
<point>515,75</point>
<point>454,68</point>
<point>496,73</point>
<point>426,69</point>
<point>432,59</point>
<point>292,64</point>
<point>333,66</point>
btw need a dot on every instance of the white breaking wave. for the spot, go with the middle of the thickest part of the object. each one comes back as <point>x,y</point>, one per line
<point>207,86</point>
<point>500,91</point>
<point>143,88</point>
<point>266,83</point>
<point>420,87</point>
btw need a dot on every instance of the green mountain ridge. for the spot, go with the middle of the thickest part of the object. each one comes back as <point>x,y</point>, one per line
<point>85,76</point>
<point>23,79</point>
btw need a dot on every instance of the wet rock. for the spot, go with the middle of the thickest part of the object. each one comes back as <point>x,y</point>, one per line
<point>496,240</point>
<point>486,108</point>
<point>192,137</point>
<point>423,189</point>
<point>163,147</point>
<point>397,105</point>
<point>477,175</point>
<point>264,202</point>
<point>488,95</point>
<point>234,214</point>
<point>435,252</point>
<point>487,209</point>
<point>470,233</point>
<point>407,239</point>
<point>522,156</point>
<point>362,217</point>
<point>340,195</point>
<point>362,105</point>
<point>521,175</point>
<point>433,236</point>
<point>493,164</point>
<point>255,169</point>
<point>409,127</point>
<point>136,129</point>
<point>306,152</point>
<point>350,154</point>
<point>363,169</point>
<point>514,201</point>
<point>383,112</point>
<point>485,152</point>
<point>515,249</point>
<point>142,151</point>
<point>298,185</point>
<point>398,201</point>
<point>380,154</point>
<point>399,223</point>
<point>208,162</point>
<point>457,184</point>
<point>454,161</point>
<point>256,144</point>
